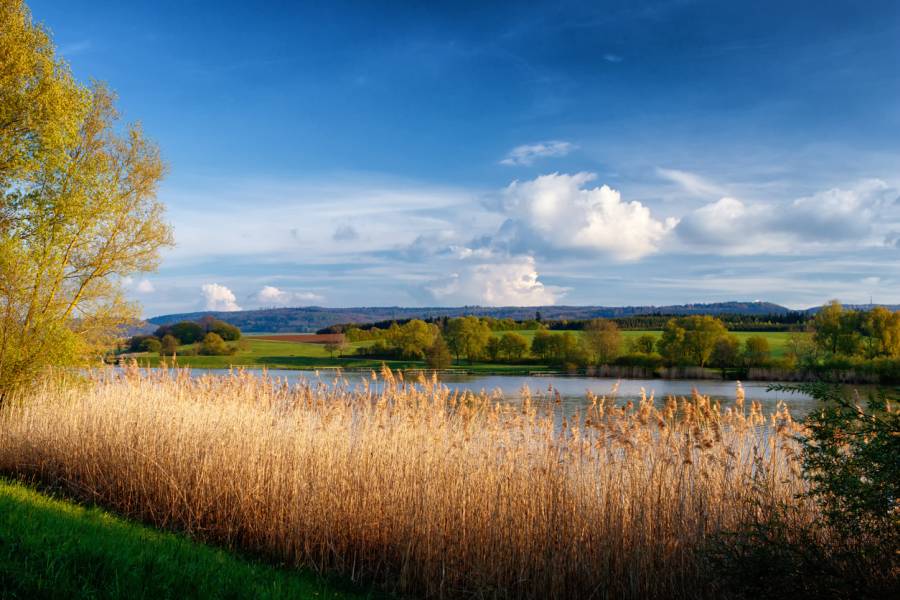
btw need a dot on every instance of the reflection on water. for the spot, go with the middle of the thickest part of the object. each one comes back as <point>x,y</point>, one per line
<point>572,391</point>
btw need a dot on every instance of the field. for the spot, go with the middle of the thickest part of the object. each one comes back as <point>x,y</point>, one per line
<point>51,548</point>
<point>424,491</point>
<point>271,352</point>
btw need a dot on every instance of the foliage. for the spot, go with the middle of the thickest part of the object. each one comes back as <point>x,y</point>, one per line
<point>214,345</point>
<point>78,208</point>
<point>691,340</point>
<point>186,332</point>
<point>726,352</point>
<point>757,352</point>
<point>437,356</point>
<point>150,344</point>
<point>224,330</point>
<point>643,344</point>
<point>602,340</point>
<point>872,334</point>
<point>513,345</point>
<point>850,457</point>
<point>467,336</point>
<point>168,345</point>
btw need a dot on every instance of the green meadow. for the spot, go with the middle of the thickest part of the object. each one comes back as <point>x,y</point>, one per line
<point>52,548</point>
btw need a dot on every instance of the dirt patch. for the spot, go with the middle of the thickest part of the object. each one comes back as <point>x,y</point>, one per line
<point>309,338</point>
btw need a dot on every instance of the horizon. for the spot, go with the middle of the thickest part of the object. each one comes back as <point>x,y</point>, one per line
<point>585,154</point>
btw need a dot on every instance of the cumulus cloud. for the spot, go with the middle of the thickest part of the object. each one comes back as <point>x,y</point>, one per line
<point>506,282</point>
<point>219,297</point>
<point>565,214</point>
<point>857,217</point>
<point>271,296</point>
<point>528,153</point>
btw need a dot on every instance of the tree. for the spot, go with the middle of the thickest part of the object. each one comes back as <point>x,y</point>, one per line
<point>492,349</point>
<point>691,340</point>
<point>150,344</point>
<point>726,352</point>
<point>226,331</point>
<point>332,347</point>
<point>41,105</point>
<point>827,327</point>
<point>603,340</point>
<point>214,345</point>
<point>467,336</point>
<point>168,346</point>
<point>513,345</point>
<point>68,236</point>
<point>186,332</point>
<point>437,356</point>
<point>643,344</point>
<point>882,329</point>
<point>756,351</point>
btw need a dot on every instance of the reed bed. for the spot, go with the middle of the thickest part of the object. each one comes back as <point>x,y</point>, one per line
<point>426,491</point>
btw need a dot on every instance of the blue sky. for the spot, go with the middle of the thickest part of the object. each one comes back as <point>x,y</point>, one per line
<point>510,153</point>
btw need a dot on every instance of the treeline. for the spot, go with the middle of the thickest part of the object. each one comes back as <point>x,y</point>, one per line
<point>209,336</point>
<point>691,340</point>
<point>868,341</point>
<point>793,321</point>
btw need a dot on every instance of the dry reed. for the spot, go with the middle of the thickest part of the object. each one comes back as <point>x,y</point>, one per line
<point>428,491</point>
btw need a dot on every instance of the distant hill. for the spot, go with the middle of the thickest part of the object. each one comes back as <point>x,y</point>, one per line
<point>312,318</point>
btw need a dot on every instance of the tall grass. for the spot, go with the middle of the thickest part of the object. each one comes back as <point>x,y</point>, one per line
<point>428,491</point>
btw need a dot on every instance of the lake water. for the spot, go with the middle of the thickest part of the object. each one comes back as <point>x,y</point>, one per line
<point>573,390</point>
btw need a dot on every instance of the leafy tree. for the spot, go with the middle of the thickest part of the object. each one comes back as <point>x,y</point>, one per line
<point>603,340</point>
<point>726,352</point>
<point>214,345</point>
<point>827,327</point>
<point>513,345</point>
<point>150,344</point>
<point>186,332</point>
<point>643,344</point>
<point>492,349</point>
<point>71,230</point>
<point>168,345</point>
<point>332,347</point>
<point>467,336</point>
<point>691,340</point>
<point>42,107</point>
<point>136,343</point>
<point>756,351</point>
<point>226,331</point>
<point>882,330</point>
<point>437,356</point>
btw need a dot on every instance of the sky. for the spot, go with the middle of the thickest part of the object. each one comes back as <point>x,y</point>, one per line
<point>425,154</point>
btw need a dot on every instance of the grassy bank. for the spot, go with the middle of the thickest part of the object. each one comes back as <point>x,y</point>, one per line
<point>51,548</point>
<point>428,492</point>
<point>301,355</point>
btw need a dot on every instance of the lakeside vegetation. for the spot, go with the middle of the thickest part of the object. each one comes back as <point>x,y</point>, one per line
<point>636,499</point>
<point>53,548</point>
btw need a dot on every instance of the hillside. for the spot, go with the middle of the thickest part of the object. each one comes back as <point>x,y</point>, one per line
<point>312,318</point>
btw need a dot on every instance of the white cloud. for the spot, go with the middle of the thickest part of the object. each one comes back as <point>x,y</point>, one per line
<point>510,282</point>
<point>219,297</point>
<point>691,182</point>
<point>565,215</point>
<point>146,287</point>
<point>856,217</point>
<point>271,296</point>
<point>613,58</point>
<point>528,153</point>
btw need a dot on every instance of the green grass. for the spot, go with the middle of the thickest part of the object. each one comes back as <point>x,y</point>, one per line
<point>51,548</point>
<point>301,355</point>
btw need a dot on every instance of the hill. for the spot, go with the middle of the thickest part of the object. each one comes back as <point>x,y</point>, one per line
<point>312,318</point>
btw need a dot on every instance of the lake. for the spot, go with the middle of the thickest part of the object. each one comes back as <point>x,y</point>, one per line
<point>573,390</point>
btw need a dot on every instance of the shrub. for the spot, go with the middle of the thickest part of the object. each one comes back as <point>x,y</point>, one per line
<point>214,345</point>
<point>168,345</point>
<point>151,344</point>
<point>850,460</point>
